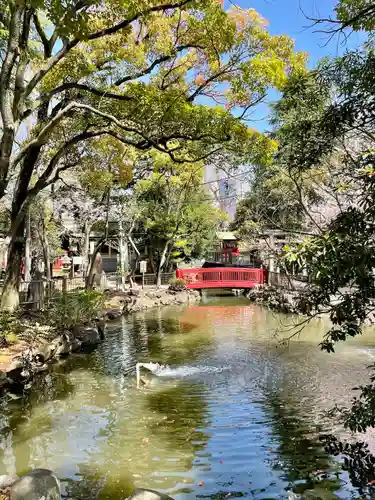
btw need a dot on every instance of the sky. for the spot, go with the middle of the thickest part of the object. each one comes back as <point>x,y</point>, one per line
<point>290,17</point>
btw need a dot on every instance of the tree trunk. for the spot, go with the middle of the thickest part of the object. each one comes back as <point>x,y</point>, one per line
<point>98,246</point>
<point>151,258</point>
<point>27,276</point>
<point>90,274</point>
<point>163,259</point>
<point>86,248</point>
<point>124,255</point>
<point>10,296</point>
<point>46,253</point>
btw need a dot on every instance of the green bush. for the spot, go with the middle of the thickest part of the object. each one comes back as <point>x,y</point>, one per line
<point>10,327</point>
<point>77,308</point>
<point>177,284</point>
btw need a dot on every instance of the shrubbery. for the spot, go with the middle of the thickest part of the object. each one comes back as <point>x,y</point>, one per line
<point>78,308</point>
<point>10,327</point>
<point>177,284</point>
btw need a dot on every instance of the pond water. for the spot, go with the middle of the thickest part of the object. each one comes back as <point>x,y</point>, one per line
<point>235,414</point>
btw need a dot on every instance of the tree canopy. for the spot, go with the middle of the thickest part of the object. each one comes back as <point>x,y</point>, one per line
<point>178,216</point>
<point>176,77</point>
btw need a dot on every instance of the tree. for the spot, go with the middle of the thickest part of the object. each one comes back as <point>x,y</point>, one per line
<point>271,204</point>
<point>350,15</point>
<point>133,72</point>
<point>179,217</point>
<point>45,232</point>
<point>338,130</point>
<point>339,256</point>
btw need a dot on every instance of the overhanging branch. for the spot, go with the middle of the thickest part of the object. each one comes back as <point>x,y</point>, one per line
<point>68,46</point>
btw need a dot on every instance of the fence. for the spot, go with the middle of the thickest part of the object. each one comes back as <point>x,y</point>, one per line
<point>221,277</point>
<point>287,282</point>
<point>38,294</point>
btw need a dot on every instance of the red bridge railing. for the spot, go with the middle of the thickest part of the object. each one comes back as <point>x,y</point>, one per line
<point>221,277</point>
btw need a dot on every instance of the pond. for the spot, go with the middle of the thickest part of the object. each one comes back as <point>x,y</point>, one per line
<point>235,414</point>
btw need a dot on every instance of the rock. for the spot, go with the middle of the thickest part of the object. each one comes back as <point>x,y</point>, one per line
<point>114,313</point>
<point>61,345</point>
<point>15,370</point>
<point>182,297</point>
<point>6,481</point>
<point>145,494</point>
<point>44,352</point>
<point>319,494</point>
<point>292,495</point>
<point>87,335</point>
<point>39,484</point>
<point>75,344</point>
<point>101,329</point>
<point>165,301</point>
<point>16,364</point>
<point>3,379</point>
<point>39,368</point>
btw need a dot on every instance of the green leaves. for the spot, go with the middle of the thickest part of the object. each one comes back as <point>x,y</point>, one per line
<point>356,14</point>
<point>177,211</point>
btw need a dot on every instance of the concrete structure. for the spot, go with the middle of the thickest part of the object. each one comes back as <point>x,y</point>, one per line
<point>227,188</point>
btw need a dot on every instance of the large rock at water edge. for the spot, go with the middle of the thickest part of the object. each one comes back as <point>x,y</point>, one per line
<point>40,483</point>
<point>145,494</point>
<point>6,481</point>
<point>15,370</point>
<point>114,313</point>
<point>87,335</point>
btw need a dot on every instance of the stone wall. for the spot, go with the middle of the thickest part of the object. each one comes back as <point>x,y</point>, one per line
<point>139,300</point>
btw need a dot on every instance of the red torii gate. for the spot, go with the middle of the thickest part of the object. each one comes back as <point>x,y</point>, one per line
<point>221,277</point>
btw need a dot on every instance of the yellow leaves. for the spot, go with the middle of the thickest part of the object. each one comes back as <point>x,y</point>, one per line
<point>246,17</point>
<point>268,70</point>
<point>161,32</point>
<point>255,18</point>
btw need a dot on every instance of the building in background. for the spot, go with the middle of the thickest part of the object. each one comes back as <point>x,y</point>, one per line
<point>227,188</point>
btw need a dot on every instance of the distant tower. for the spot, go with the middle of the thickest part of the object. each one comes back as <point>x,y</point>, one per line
<point>227,189</point>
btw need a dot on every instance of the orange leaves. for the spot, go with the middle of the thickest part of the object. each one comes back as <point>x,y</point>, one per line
<point>199,80</point>
<point>245,17</point>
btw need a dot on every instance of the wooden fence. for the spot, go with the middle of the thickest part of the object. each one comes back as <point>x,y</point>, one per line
<point>37,294</point>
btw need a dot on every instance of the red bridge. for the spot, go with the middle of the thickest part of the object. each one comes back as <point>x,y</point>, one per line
<point>221,277</point>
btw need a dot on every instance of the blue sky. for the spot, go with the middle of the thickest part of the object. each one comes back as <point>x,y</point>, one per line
<point>289,17</point>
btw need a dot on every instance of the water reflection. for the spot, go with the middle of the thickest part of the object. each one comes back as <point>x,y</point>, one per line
<point>244,423</point>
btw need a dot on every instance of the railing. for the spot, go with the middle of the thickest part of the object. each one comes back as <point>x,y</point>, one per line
<point>38,294</point>
<point>221,277</point>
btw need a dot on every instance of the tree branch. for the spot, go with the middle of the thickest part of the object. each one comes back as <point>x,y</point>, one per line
<point>158,61</point>
<point>370,9</point>
<point>88,88</point>
<point>208,81</point>
<point>19,82</point>
<point>42,36</point>
<point>4,20</point>
<point>93,36</point>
